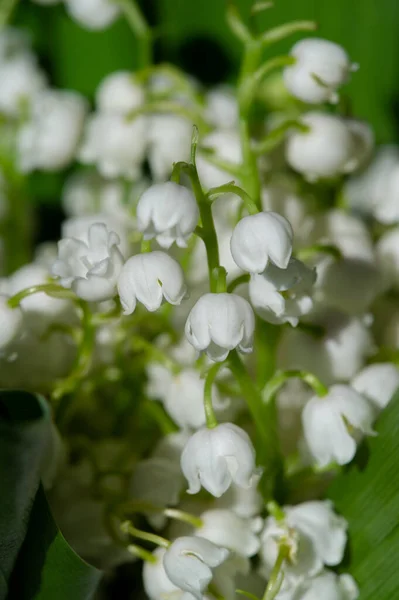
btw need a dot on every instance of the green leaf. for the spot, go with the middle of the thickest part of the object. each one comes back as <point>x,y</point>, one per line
<point>367,495</point>
<point>35,560</point>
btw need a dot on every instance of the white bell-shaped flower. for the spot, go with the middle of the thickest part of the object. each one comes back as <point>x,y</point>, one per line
<point>320,68</point>
<point>21,79</point>
<point>244,502</point>
<point>40,309</point>
<point>11,322</point>
<point>215,458</point>
<point>330,424</point>
<point>169,141</point>
<point>325,586</point>
<point>119,93</point>
<point>224,527</point>
<point>336,355</point>
<point>326,150</point>
<point>115,145</point>
<point>91,269</point>
<point>219,323</point>
<point>78,227</point>
<point>182,395</point>
<point>283,295</point>
<point>49,138</point>
<point>221,109</point>
<point>93,14</point>
<point>189,563</point>
<point>169,212</point>
<point>157,584</point>
<point>327,530</point>
<point>258,239</point>
<point>149,278</point>
<point>377,382</point>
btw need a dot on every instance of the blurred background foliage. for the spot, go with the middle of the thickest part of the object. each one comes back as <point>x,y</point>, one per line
<point>194,35</point>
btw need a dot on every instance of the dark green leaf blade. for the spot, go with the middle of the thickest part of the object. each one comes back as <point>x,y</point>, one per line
<point>367,495</point>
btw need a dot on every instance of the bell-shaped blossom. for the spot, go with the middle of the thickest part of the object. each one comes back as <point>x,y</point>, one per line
<point>119,93</point>
<point>258,239</point>
<point>219,323</point>
<point>326,586</point>
<point>290,400</point>
<point>11,322</point>
<point>336,354</point>
<point>346,231</point>
<point>79,227</point>
<point>378,383</point>
<point>321,67</point>
<point>283,295</point>
<point>157,481</point>
<point>330,424</point>
<point>169,212</point>
<point>189,563</point>
<point>40,309</point>
<point>114,144</point>
<point>244,502</point>
<point>169,141</point>
<point>224,527</point>
<point>221,108</point>
<point>182,395</point>
<point>215,458</point>
<point>363,140</point>
<point>21,79</point>
<point>93,14</point>
<point>155,580</point>
<point>387,249</point>
<point>49,138</point>
<point>91,269</point>
<point>149,278</point>
<point>326,150</point>
<point>224,145</point>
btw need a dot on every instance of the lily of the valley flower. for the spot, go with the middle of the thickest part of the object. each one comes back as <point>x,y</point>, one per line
<point>282,295</point>
<point>377,382</point>
<point>119,93</point>
<point>224,527</point>
<point>149,278</point>
<point>11,320</point>
<point>91,269</point>
<point>219,323</point>
<point>330,422</point>
<point>93,14</point>
<point>325,586</point>
<point>189,562</point>
<point>155,580</point>
<point>259,238</point>
<point>169,212</point>
<point>215,458</point>
<point>320,68</point>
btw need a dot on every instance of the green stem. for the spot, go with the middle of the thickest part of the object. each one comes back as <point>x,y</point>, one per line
<point>281,377</point>
<point>231,188</point>
<point>265,419</point>
<point>128,527</point>
<point>211,421</point>
<point>276,135</point>
<point>237,281</point>
<point>142,554</point>
<point>169,107</point>
<point>276,576</point>
<point>328,249</point>
<point>207,231</point>
<point>145,246</point>
<point>282,31</point>
<point>51,289</point>
<point>6,10</point>
<point>140,28</point>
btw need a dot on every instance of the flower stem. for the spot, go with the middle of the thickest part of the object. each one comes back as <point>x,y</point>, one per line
<point>276,577</point>
<point>231,188</point>
<point>140,28</point>
<point>128,527</point>
<point>281,377</point>
<point>51,289</point>
<point>276,135</point>
<point>238,281</point>
<point>142,553</point>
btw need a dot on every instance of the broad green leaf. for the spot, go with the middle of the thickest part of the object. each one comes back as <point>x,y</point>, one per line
<point>35,560</point>
<point>367,495</point>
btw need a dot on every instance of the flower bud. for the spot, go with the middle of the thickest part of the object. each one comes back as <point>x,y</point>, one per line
<point>91,269</point>
<point>219,323</point>
<point>328,423</point>
<point>49,139</point>
<point>93,14</point>
<point>115,145</point>
<point>259,238</point>
<point>155,580</point>
<point>119,93</point>
<point>149,278</point>
<point>326,150</point>
<point>283,295</point>
<point>378,383</point>
<point>215,458</point>
<point>11,320</point>
<point>320,68</point>
<point>189,561</point>
<point>169,212</point>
